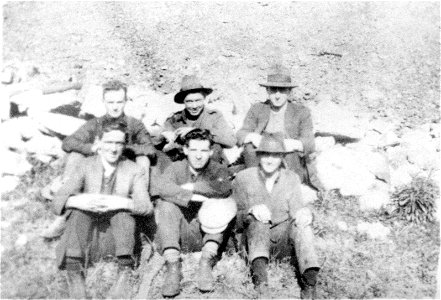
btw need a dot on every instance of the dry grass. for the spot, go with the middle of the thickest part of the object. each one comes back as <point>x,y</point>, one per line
<point>354,266</point>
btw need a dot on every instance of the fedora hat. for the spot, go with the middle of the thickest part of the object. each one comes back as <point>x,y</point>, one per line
<point>272,143</point>
<point>278,76</point>
<point>190,84</point>
<point>215,214</point>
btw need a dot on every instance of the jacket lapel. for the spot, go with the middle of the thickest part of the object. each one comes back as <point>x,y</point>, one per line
<point>264,117</point>
<point>96,176</point>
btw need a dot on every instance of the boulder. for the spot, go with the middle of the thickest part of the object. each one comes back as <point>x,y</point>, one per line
<point>13,163</point>
<point>8,183</point>
<point>159,108</point>
<point>45,145</point>
<point>340,168</point>
<point>60,124</point>
<point>233,154</point>
<point>308,194</point>
<point>373,230</point>
<point>16,131</point>
<point>331,118</point>
<point>400,177</point>
<point>421,149</point>
<point>93,103</point>
<point>376,197</point>
<point>324,143</point>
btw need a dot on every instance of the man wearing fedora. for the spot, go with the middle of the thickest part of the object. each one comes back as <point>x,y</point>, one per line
<point>195,115</point>
<point>272,216</point>
<point>277,114</point>
<point>184,189</point>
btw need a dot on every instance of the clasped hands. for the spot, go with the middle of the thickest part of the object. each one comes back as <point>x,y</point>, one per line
<point>290,144</point>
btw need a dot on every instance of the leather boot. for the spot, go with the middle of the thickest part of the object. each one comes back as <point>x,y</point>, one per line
<point>259,271</point>
<point>121,287</point>
<point>77,284</point>
<point>205,275</point>
<point>309,279</point>
<point>172,281</point>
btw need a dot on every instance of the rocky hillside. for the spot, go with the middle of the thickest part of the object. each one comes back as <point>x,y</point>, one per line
<point>382,58</point>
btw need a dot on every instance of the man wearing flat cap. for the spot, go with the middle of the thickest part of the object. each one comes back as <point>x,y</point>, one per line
<point>272,216</point>
<point>277,114</point>
<point>195,115</point>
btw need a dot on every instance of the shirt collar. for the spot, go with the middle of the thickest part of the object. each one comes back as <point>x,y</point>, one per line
<point>108,168</point>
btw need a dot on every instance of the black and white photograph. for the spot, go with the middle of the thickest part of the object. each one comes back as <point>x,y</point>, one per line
<point>220,149</point>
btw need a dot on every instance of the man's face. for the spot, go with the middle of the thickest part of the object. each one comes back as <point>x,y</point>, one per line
<point>194,103</point>
<point>112,146</point>
<point>270,162</point>
<point>198,153</point>
<point>278,95</point>
<point>114,102</point>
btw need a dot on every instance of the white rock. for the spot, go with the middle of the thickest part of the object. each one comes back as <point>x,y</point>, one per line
<point>93,103</point>
<point>58,123</point>
<point>5,104</point>
<point>373,230</point>
<point>376,197</point>
<point>421,149</point>
<point>27,99</point>
<point>8,183</point>
<point>308,194</point>
<point>12,163</point>
<point>340,168</point>
<point>233,154</point>
<point>46,145</point>
<point>388,139</point>
<point>324,143</point>
<point>373,95</point>
<point>400,177</point>
<point>330,118</point>
<point>21,241</point>
<point>159,108</point>
<point>343,226</point>
<point>396,156</point>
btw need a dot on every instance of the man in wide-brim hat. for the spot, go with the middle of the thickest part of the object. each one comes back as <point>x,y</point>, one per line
<point>195,115</point>
<point>277,114</point>
<point>273,217</point>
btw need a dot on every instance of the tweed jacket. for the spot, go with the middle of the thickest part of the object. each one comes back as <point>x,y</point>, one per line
<point>130,182</point>
<point>212,182</point>
<point>298,124</point>
<point>210,119</point>
<point>138,143</point>
<point>284,200</point>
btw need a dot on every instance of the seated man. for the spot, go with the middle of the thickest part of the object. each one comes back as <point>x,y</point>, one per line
<point>182,187</point>
<point>83,143</point>
<point>195,115</point>
<point>272,215</point>
<point>110,173</point>
<point>277,114</point>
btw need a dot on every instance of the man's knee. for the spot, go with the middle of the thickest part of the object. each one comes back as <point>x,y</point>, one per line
<point>166,210</point>
<point>303,217</point>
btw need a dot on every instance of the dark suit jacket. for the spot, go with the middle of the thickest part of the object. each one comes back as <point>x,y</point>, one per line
<point>130,182</point>
<point>298,124</point>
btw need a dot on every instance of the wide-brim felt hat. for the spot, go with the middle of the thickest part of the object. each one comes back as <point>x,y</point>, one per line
<point>272,143</point>
<point>278,76</point>
<point>191,84</point>
<point>215,214</point>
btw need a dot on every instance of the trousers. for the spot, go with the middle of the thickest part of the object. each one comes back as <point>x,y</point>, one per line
<point>79,234</point>
<point>179,228</point>
<point>260,240</point>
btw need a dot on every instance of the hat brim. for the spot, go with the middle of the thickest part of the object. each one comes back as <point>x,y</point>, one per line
<point>271,151</point>
<point>179,97</point>
<point>277,84</point>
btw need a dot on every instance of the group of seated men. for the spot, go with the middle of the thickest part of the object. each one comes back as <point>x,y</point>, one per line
<point>184,170</point>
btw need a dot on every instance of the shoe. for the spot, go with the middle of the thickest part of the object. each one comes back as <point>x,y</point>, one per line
<point>121,287</point>
<point>77,284</point>
<point>205,275</point>
<point>308,292</point>
<point>56,229</point>
<point>172,281</point>
<point>259,271</point>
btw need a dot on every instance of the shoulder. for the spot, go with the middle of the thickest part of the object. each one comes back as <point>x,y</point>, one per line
<point>130,167</point>
<point>299,108</point>
<point>290,176</point>
<point>176,166</point>
<point>260,106</point>
<point>246,175</point>
<point>175,117</point>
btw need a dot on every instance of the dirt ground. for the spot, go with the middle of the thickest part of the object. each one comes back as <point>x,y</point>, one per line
<point>351,51</point>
